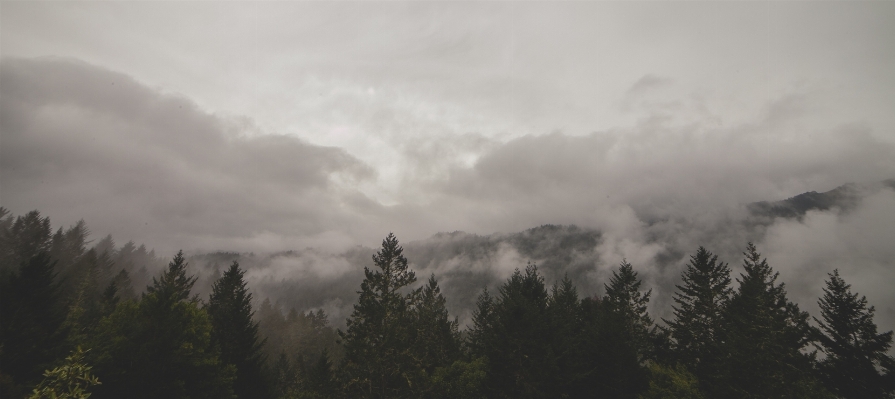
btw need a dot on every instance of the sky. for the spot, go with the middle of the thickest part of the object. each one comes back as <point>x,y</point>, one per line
<point>267,126</point>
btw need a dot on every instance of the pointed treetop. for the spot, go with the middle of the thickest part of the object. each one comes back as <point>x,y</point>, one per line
<point>174,283</point>
<point>393,273</point>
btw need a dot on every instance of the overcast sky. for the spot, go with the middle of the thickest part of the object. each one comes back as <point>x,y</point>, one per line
<point>268,126</point>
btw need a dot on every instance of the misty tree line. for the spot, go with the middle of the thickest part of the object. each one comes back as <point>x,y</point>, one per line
<point>72,325</point>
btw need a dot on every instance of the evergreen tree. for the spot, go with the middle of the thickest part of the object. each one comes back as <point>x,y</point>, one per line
<point>610,366</point>
<point>671,383</point>
<point>318,381</point>
<point>517,339</point>
<point>436,337</point>
<point>378,361</point>
<point>857,364</point>
<point>230,308</point>
<point>68,248</point>
<point>30,319</point>
<point>27,237</point>
<point>628,305</point>
<point>763,340</point>
<point>566,325</point>
<point>174,285</point>
<point>482,323</point>
<point>161,347</point>
<point>700,303</point>
<point>284,378</point>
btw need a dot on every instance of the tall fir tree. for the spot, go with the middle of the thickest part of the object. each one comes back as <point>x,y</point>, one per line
<point>628,303</point>
<point>698,314</point>
<point>565,318</point>
<point>378,360</point>
<point>174,285</point>
<point>436,340</point>
<point>857,364</point>
<point>517,337</point>
<point>27,237</point>
<point>161,347</point>
<point>31,317</point>
<point>234,331</point>
<point>763,340</point>
<point>482,323</point>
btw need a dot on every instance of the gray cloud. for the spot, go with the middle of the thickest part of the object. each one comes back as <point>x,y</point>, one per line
<point>83,142</point>
<point>80,141</point>
<point>649,82</point>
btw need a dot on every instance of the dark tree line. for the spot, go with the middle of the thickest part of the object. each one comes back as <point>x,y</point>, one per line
<point>71,317</point>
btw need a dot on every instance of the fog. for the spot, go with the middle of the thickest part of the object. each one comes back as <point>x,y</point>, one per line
<point>459,128</point>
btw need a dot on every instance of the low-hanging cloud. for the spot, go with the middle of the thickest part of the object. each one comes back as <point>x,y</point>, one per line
<point>80,141</point>
<point>83,142</point>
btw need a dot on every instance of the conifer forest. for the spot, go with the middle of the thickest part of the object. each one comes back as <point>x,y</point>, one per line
<point>405,199</point>
<point>85,319</point>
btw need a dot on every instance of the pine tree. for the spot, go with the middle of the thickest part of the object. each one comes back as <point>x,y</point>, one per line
<point>609,365</point>
<point>482,323</point>
<point>517,340</point>
<point>378,360</point>
<point>230,308</point>
<point>161,347</point>
<point>565,317</point>
<point>436,341</point>
<point>30,326</point>
<point>28,236</point>
<point>857,364</point>
<point>697,323</point>
<point>626,302</point>
<point>763,340</point>
<point>671,383</point>
<point>318,381</point>
<point>174,285</point>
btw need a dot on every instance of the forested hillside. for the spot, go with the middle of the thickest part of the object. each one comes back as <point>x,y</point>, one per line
<point>82,318</point>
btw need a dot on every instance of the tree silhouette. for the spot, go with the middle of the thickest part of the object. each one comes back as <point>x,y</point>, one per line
<point>230,308</point>
<point>857,364</point>
<point>698,314</point>
<point>378,361</point>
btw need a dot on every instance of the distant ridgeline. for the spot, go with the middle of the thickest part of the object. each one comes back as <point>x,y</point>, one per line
<point>114,322</point>
<point>845,197</point>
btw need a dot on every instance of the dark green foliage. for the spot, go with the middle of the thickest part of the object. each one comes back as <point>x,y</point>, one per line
<point>378,359</point>
<point>71,380</point>
<point>857,364</point>
<point>23,238</point>
<point>612,361</point>
<point>95,296</point>
<point>460,380</point>
<point>671,383</point>
<point>628,306</point>
<point>763,340</point>
<point>161,346</point>
<point>230,308</point>
<point>514,335</point>
<point>318,381</point>
<point>436,337</point>
<point>482,323</point>
<point>30,324</point>
<point>699,305</point>
<point>401,342</point>
<point>292,344</point>
<point>284,377</point>
<point>173,285</point>
<point>566,326</point>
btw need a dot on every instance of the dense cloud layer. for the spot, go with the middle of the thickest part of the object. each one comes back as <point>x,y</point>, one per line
<point>80,141</point>
<point>83,142</point>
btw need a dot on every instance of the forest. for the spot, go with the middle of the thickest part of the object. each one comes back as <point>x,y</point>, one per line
<point>81,319</point>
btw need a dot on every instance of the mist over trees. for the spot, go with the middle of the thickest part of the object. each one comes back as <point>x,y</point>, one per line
<point>115,322</point>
